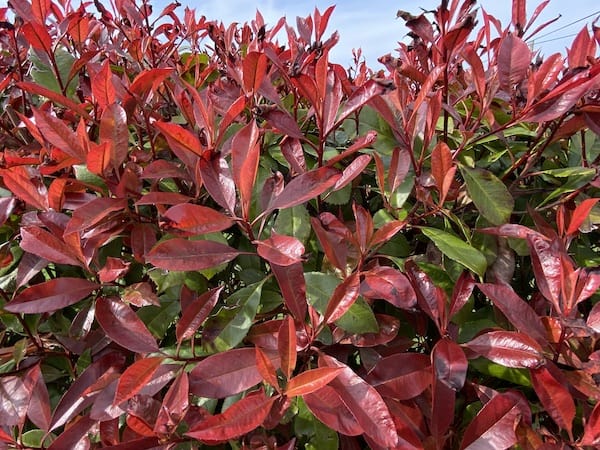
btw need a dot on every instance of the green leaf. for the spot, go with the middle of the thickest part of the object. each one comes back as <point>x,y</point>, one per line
<point>400,195</point>
<point>457,250</point>
<point>318,435</point>
<point>294,221</point>
<point>359,319</point>
<point>234,319</point>
<point>517,376</point>
<point>489,194</point>
<point>319,288</point>
<point>158,319</point>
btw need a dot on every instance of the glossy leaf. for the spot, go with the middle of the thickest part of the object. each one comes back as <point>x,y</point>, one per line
<point>51,295</point>
<point>196,219</point>
<point>311,380</point>
<point>401,376</point>
<point>343,297</point>
<point>555,397</point>
<point>135,377</point>
<point>286,345</point>
<point>490,195</point>
<point>449,364</point>
<point>181,254</point>
<point>457,250</point>
<point>195,313</point>
<point>280,250</point>
<point>123,326</point>
<point>514,57</point>
<point>508,348</point>
<point>40,242</point>
<point>245,153</point>
<point>327,405</point>
<point>293,288</point>
<point>388,284</point>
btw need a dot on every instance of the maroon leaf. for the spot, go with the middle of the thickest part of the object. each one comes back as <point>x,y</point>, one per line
<point>311,380</point>
<point>304,187</point>
<point>135,377</point>
<point>360,97</point>
<point>343,297</point>
<point>228,373</point>
<point>327,406</point>
<point>75,436</point>
<point>162,198</point>
<point>431,298</point>
<point>352,171</point>
<point>239,419</point>
<point>218,181</point>
<point>280,249</point>
<point>401,376</point>
<point>94,212</point>
<point>364,402</point>
<point>7,205</point>
<point>508,348</point>
<point>555,397</point>
<point>195,313</point>
<point>286,345</point>
<point>514,58</point>
<point>39,242</point>
<point>123,326</point>
<point>388,330</point>
<point>245,153</point>
<point>14,400</point>
<point>196,219</point>
<point>293,288</point>
<point>51,295</point>
<point>494,426</point>
<point>174,405</point>
<point>282,121</point>
<point>547,267</point>
<point>591,435</point>
<point>461,293</point>
<point>39,405</point>
<point>59,134</point>
<point>181,254</point>
<point>388,284</point>
<point>449,364</point>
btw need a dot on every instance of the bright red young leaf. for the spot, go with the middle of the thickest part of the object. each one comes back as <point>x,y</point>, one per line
<point>254,68</point>
<point>239,419</point>
<point>123,326</point>
<point>38,37</point>
<point>25,184</point>
<point>113,129</point>
<point>135,377</point>
<point>401,376</point>
<point>266,368</point>
<point>228,373</point>
<point>495,424</point>
<point>514,58</point>
<point>442,169</point>
<point>39,242</point>
<point>311,380</point>
<point>327,406</point>
<point>364,402</point>
<point>580,214</point>
<point>343,297</point>
<point>181,254</point>
<point>591,435</point>
<point>180,140</point>
<point>103,88</point>
<point>196,219</point>
<point>59,134</point>
<point>555,397</point>
<point>195,313</point>
<point>245,153</point>
<point>508,348</point>
<point>174,405</point>
<point>280,249</point>
<point>286,345</point>
<point>51,295</point>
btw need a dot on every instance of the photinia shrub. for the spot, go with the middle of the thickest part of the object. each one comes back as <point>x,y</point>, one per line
<point>214,236</point>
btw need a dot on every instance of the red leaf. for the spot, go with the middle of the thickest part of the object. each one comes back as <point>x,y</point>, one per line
<point>516,310</point>
<point>461,293</point>
<point>388,284</point>
<point>343,297</point>
<point>514,58</point>
<point>143,238</point>
<point>388,330</point>
<point>14,400</point>
<point>304,187</point>
<point>254,68</point>
<point>401,376</point>
<point>113,129</point>
<point>580,214</point>
<point>38,37</point>
<point>327,406</point>
<point>180,139</point>
<point>39,405</point>
<point>195,313</point>
<point>508,348</point>
<point>51,295</point>
<point>26,185</point>
<point>555,397</point>
<point>113,269</point>
<point>226,374</point>
<point>75,436</point>
<point>266,368</point>
<point>449,364</point>
<point>103,89</point>
<point>387,231</point>
<point>442,169</point>
<point>494,426</point>
<point>283,122</point>
<point>94,212</point>
<point>174,405</point>
<point>245,153</point>
<point>148,80</point>
<point>286,344</point>
<point>135,377</point>
<point>364,402</point>
<point>280,249</point>
<point>162,198</point>
<point>196,219</point>
<point>57,98</point>
<point>59,134</point>
<point>293,288</point>
<point>7,205</point>
<point>519,14</point>
<point>311,380</point>
<point>360,97</point>
<point>352,170</point>
<point>181,254</point>
<point>591,435</point>
<point>39,242</point>
<point>218,181</point>
<point>399,166</point>
<point>123,326</point>
<point>547,267</point>
<point>431,298</point>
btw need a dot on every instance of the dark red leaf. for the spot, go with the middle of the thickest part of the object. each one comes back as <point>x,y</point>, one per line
<point>286,345</point>
<point>449,364</point>
<point>75,436</point>
<point>51,295</point>
<point>7,205</point>
<point>431,298</point>
<point>162,198</point>
<point>245,153</point>
<point>352,171</point>
<point>174,405</point>
<point>280,249</point>
<point>39,405</point>
<point>494,426</point>
<point>254,67</point>
<point>239,419</point>
<point>311,380</point>
<point>547,267</point>
<point>228,373</point>
<point>181,254</point>
<point>343,297</point>
<point>59,134</point>
<point>293,288</point>
<point>508,348</point>
<point>461,293</point>
<point>123,326</point>
<point>195,313</point>
<point>388,330</point>
<point>135,377</point>
<point>360,97</point>
<point>591,435</point>
<point>218,181</point>
<point>327,406</point>
<point>196,219</point>
<point>388,284</point>
<point>304,187</point>
<point>555,397</point>
<point>94,212</point>
<point>39,242</point>
<point>364,402</point>
<point>514,58</point>
<point>401,376</point>
<point>283,122</point>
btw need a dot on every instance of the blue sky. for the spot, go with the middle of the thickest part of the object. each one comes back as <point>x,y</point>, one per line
<point>372,24</point>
